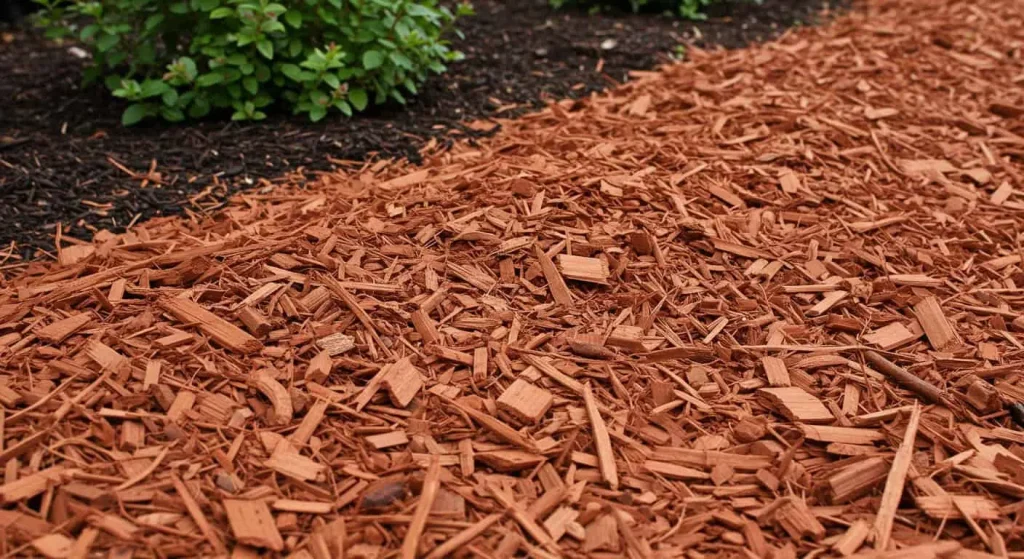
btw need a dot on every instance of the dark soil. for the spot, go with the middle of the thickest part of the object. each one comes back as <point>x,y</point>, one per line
<point>58,141</point>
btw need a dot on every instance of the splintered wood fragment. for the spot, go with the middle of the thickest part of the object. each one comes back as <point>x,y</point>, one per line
<point>511,460</point>
<point>370,390</point>
<point>252,524</point>
<point>53,546</point>
<point>278,396</point>
<point>673,471</point>
<point>776,371</point>
<point>741,250</point>
<point>545,366</point>
<point>403,382</point>
<point>629,338</point>
<point>923,166</point>
<point>934,323</point>
<point>525,401</point>
<point>947,506</point>
<point>509,246</point>
<point>307,507</point>
<point>789,182</point>
<point>893,492</point>
<point>425,327</point>
<point>452,355</point>
<point>255,322</point>
<point>828,301</point>
<point>388,440</point>
<point>796,404</point>
<point>851,540</point>
<point>556,284</point>
<point>891,336</point>
<point>583,268</point>
<point>336,344</point>
<point>846,435</point>
<point>983,397</point>
<point>865,226</point>
<point>223,332</point>
<point>31,485</point>
<point>498,427</point>
<point>289,463</point>
<point>108,358</point>
<point>82,546</point>
<point>480,364</point>
<point>57,331</point>
<point>602,442</point>
<point>528,523</point>
<point>473,276</point>
<point>798,521</point>
<point>855,480</point>
<point>353,305</point>
<point>197,515</point>
<point>456,542</point>
<point>319,367</point>
<point>431,485</point>
<point>310,422</point>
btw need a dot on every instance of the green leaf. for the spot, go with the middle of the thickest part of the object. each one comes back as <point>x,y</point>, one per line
<point>293,72</point>
<point>266,48</point>
<point>133,114</point>
<point>372,59</point>
<point>172,114</point>
<point>212,78</point>
<point>358,98</point>
<point>221,13</point>
<point>250,84</point>
<point>200,108</point>
<point>106,42</point>
<point>190,67</point>
<point>317,113</point>
<point>152,88</point>
<point>88,32</point>
<point>294,18</point>
<point>170,97</point>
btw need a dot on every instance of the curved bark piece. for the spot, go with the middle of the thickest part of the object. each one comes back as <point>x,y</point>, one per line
<point>278,396</point>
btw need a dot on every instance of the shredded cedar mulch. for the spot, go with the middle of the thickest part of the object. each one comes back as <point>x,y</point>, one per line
<point>761,304</point>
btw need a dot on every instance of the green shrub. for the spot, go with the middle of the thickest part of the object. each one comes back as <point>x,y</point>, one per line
<point>692,9</point>
<point>180,59</point>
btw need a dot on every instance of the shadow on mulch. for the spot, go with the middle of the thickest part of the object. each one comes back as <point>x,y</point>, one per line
<point>58,141</point>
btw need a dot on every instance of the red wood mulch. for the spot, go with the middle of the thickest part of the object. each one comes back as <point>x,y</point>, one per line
<point>765,303</point>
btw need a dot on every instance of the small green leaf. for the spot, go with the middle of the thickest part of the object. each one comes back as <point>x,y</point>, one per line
<point>200,108</point>
<point>294,18</point>
<point>106,42</point>
<point>266,48</point>
<point>172,114</point>
<point>250,84</point>
<point>317,113</point>
<point>170,97</point>
<point>212,78</point>
<point>133,114</point>
<point>358,98</point>
<point>292,71</point>
<point>372,59</point>
<point>221,13</point>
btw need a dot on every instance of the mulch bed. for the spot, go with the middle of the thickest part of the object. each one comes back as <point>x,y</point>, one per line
<point>61,142</point>
<point>766,303</point>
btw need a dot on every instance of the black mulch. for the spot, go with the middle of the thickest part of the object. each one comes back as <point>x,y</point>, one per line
<point>58,141</point>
